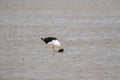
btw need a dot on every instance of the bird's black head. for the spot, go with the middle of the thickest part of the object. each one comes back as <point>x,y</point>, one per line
<point>61,50</point>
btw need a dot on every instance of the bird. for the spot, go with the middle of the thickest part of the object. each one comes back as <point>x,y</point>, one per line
<point>54,43</point>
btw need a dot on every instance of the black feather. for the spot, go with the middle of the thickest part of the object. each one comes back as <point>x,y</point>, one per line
<point>48,39</point>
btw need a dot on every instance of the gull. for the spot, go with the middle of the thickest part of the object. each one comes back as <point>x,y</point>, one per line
<point>54,43</point>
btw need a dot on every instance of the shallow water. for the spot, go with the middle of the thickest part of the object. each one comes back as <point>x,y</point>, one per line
<point>90,35</point>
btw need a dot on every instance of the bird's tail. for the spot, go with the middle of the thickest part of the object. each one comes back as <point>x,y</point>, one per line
<point>42,39</point>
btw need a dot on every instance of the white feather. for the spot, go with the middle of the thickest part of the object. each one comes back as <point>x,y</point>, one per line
<point>55,43</point>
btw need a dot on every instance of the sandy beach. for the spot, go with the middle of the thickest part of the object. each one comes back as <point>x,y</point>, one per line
<point>89,31</point>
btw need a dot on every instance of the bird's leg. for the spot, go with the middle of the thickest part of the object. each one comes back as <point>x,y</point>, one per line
<point>52,49</point>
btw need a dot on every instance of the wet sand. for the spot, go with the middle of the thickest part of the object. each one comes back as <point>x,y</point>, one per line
<point>89,31</point>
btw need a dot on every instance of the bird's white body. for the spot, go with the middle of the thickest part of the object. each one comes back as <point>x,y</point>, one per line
<point>55,43</point>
